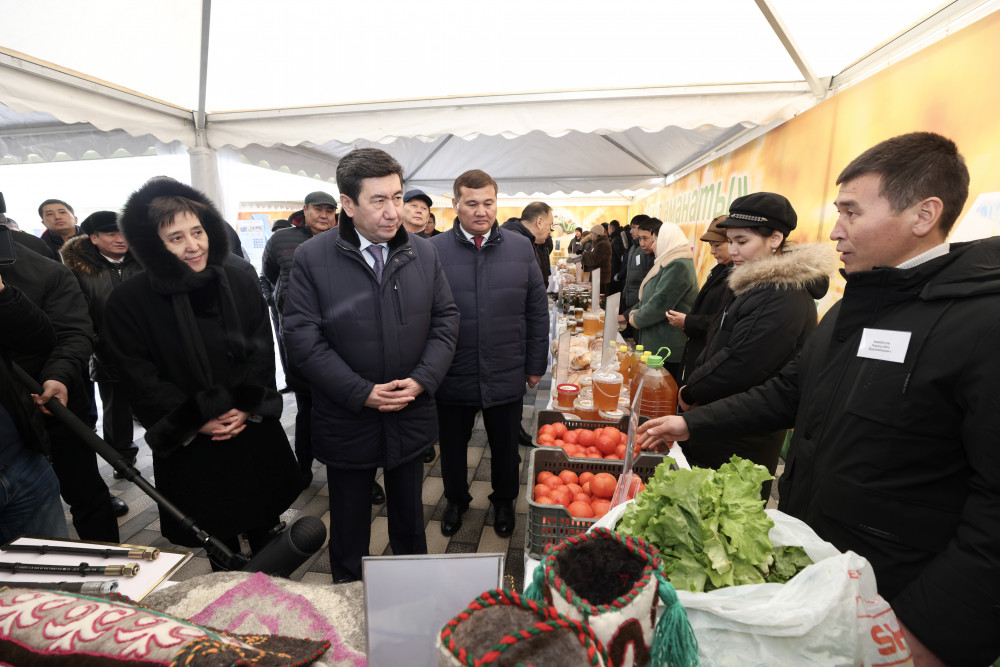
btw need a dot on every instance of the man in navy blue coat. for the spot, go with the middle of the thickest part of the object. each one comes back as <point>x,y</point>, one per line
<point>502,343</point>
<point>371,325</point>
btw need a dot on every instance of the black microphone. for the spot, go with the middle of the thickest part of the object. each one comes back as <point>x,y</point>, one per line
<point>286,552</point>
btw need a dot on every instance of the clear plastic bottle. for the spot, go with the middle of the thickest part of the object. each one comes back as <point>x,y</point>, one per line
<point>659,390</point>
<point>624,363</point>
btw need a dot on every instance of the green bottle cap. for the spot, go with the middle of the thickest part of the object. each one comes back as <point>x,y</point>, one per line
<point>654,361</point>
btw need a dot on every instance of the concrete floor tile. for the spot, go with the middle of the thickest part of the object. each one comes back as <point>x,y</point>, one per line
<point>480,494</point>
<point>521,506</point>
<point>436,542</point>
<point>491,543</point>
<point>461,548</point>
<point>432,490</point>
<point>473,456</point>
<point>472,527</point>
<point>316,578</point>
<point>380,535</point>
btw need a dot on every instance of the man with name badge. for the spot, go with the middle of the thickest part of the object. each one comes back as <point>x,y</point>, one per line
<point>895,402</point>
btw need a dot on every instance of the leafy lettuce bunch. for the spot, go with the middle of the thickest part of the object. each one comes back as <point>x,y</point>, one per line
<point>710,527</point>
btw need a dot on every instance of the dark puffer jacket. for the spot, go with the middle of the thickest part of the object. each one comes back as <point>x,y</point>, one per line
<point>345,332</point>
<point>772,313</point>
<point>97,277</point>
<point>279,256</point>
<point>898,461</point>
<point>505,321</point>
<point>599,257</point>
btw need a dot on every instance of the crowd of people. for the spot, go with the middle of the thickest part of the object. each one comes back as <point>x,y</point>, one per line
<point>395,336</point>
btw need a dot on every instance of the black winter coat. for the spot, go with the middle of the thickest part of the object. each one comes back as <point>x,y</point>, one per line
<point>505,321</point>
<point>97,277</point>
<point>228,486</point>
<point>772,312</point>
<point>345,332</point>
<point>32,242</point>
<point>708,305</point>
<point>598,256</point>
<point>635,271</point>
<point>32,334</point>
<point>53,288</point>
<point>542,250</point>
<point>278,258</point>
<point>899,461</point>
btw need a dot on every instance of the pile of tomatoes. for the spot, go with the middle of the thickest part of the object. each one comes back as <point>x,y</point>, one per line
<point>585,496</point>
<point>598,443</point>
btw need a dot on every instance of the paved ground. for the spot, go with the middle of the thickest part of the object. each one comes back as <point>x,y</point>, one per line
<point>141,526</point>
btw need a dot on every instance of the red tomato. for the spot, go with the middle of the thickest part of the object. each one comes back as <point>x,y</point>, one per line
<point>595,456</point>
<point>586,477</point>
<point>540,490</point>
<point>544,500</point>
<point>561,496</point>
<point>592,450</point>
<point>611,457</point>
<point>600,507</point>
<point>559,429</point>
<point>574,488</point>
<point>634,487</point>
<point>623,439</point>
<point>572,450</point>
<point>553,483</point>
<point>570,437</point>
<point>582,498</point>
<point>586,488</point>
<point>559,443</point>
<point>546,439</point>
<point>544,475</point>
<point>546,430</point>
<point>620,451</point>
<point>581,510</point>
<point>586,438</point>
<point>603,485</point>
<point>597,432</point>
<point>607,444</point>
<point>612,432</point>
<point>568,477</point>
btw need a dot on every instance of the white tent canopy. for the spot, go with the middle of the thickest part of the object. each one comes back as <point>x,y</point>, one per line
<point>548,97</point>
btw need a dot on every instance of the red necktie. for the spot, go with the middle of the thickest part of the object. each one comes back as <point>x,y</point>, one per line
<point>479,241</point>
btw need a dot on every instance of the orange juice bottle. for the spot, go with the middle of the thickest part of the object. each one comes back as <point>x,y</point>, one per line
<point>636,360</point>
<point>624,363</point>
<point>636,376</point>
<point>659,390</point>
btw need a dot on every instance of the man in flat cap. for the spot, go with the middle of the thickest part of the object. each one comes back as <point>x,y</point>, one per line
<point>100,259</point>
<point>416,211</point>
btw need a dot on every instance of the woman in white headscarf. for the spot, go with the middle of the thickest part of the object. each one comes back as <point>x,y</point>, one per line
<point>670,285</point>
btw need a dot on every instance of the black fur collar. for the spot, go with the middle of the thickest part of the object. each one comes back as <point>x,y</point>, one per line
<point>144,239</point>
<point>350,235</point>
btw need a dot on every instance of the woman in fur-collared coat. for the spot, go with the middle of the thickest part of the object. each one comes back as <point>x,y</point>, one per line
<point>764,325</point>
<point>192,341</point>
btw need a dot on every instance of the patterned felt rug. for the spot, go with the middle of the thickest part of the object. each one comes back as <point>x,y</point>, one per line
<point>245,603</point>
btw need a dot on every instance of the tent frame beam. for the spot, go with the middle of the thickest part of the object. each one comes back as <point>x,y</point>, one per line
<point>785,37</point>
<point>526,99</point>
<point>51,73</point>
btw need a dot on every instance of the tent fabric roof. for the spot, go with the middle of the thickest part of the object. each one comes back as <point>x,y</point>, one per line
<point>560,96</point>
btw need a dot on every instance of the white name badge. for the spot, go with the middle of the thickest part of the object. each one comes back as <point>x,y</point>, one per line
<point>638,260</point>
<point>884,345</point>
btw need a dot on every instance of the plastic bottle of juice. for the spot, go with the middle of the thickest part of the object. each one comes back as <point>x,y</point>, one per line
<point>636,360</point>
<point>636,376</point>
<point>659,390</point>
<point>624,363</point>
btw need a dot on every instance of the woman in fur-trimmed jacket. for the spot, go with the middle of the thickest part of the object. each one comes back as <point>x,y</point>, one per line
<point>192,341</point>
<point>764,325</point>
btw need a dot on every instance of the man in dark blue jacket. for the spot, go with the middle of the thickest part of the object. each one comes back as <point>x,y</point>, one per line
<point>502,342</point>
<point>370,323</point>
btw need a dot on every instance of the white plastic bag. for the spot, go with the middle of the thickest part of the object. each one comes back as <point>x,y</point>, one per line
<point>828,614</point>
